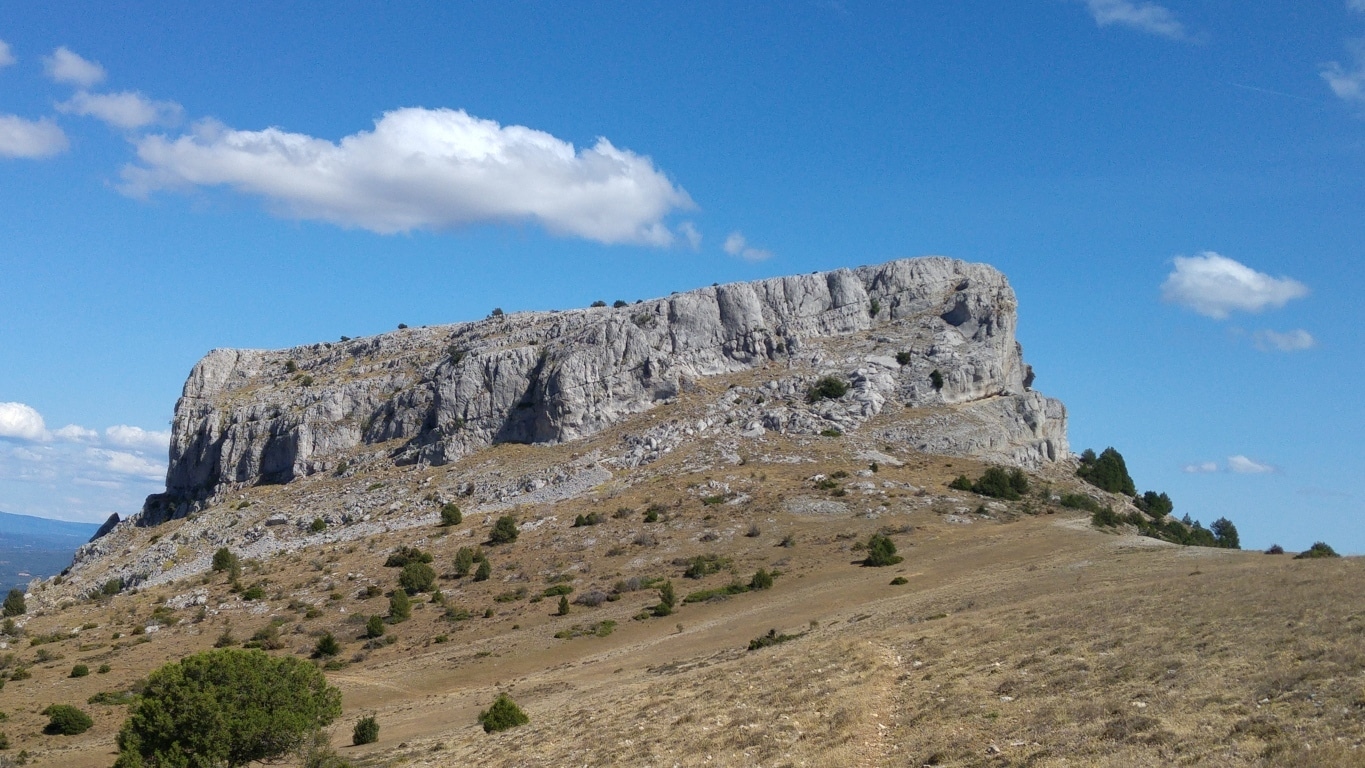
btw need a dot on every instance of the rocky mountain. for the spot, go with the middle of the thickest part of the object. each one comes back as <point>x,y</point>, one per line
<point>930,333</point>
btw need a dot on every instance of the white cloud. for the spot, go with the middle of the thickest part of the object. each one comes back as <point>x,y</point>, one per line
<point>123,463</point>
<point>1244,466</point>
<point>1201,468</point>
<point>76,434</point>
<point>691,234</point>
<point>1348,82</point>
<point>6,55</point>
<point>424,169</point>
<point>737,245</point>
<point>30,138</point>
<point>1290,341</point>
<point>64,66</point>
<point>1215,285</point>
<point>126,110</point>
<point>1356,5</point>
<point>137,437</point>
<point>1142,16</point>
<point>21,421</point>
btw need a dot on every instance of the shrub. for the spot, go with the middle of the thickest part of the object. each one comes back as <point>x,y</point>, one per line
<point>485,570</point>
<point>417,577</point>
<point>1080,501</point>
<point>903,358</point>
<point>374,627</point>
<point>451,515</point>
<point>592,518</point>
<point>464,560</point>
<point>14,603</point>
<point>1000,484</point>
<point>366,731</point>
<point>899,580</point>
<point>1158,505</point>
<point>827,388</point>
<point>961,483</point>
<point>563,605</point>
<point>404,555</point>
<point>936,379</point>
<point>557,590</point>
<point>66,720</point>
<point>874,308</point>
<point>400,606</point>
<point>1107,472</point>
<point>504,530</point>
<point>831,432</point>
<point>327,646</point>
<point>1319,549</point>
<point>1106,517</point>
<point>502,715</point>
<point>666,600</point>
<point>254,592</point>
<point>226,708</point>
<point>704,565</point>
<point>772,638</point>
<point>104,669</point>
<point>318,525</point>
<point>1275,549</point>
<point>112,587</point>
<point>225,561</point>
<point>881,551</point>
<point>761,580</point>
<point>618,304</point>
<point>4,741</point>
<point>80,670</point>
<point>598,303</point>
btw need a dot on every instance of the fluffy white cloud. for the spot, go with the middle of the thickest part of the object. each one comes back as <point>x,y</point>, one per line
<point>137,437</point>
<point>1289,341</point>
<point>65,66</point>
<point>1143,16</point>
<point>1244,466</point>
<point>124,463</point>
<point>737,245</point>
<point>126,110</point>
<point>1215,286</point>
<point>424,169</point>
<point>30,138</point>
<point>1201,468</point>
<point>6,56</point>
<point>75,433</point>
<point>1348,82</point>
<point>21,421</point>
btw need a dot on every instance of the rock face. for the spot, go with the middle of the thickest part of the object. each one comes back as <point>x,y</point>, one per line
<point>254,416</point>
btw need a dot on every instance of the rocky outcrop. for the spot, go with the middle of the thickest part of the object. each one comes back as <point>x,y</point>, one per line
<point>254,416</point>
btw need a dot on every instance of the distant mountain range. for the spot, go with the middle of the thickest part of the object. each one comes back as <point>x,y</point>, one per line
<point>35,547</point>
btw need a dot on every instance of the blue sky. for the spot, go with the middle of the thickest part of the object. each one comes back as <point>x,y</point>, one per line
<point>1175,191</point>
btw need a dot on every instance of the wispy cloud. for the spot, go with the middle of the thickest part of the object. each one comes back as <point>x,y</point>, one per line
<point>6,55</point>
<point>1200,468</point>
<point>424,169</point>
<point>737,245</point>
<point>1143,16</point>
<point>127,110</point>
<point>66,66</point>
<point>1216,286</point>
<point>30,139</point>
<point>690,234</point>
<point>1348,81</point>
<point>1356,5</point>
<point>1289,341</point>
<point>1243,466</point>
<point>76,472</point>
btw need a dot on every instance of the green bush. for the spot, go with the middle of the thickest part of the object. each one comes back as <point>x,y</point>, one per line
<point>936,379</point>
<point>899,580</point>
<point>874,308</point>
<point>400,606</point>
<point>618,304</point>
<point>998,483</point>
<point>485,570</point>
<point>326,647</point>
<point>66,720</point>
<point>1106,517</point>
<point>502,715</point>
<point>904,358</point>
<point>881,551</point>
<point>504,530</point>
<point>1107,472</point>
<point>417,577</point>
<point>465,558</point>
<point>1158,505</point>
<point>226,708</point>
<point>254,592</point>
<point>14,603</point>
<point>827,388</point>
<point>705,565</point>
<point>761,580</point>
<point>404,555</point>
<point>451,515</point>
<point>366,731</point>
<point>770,639</point>
<point>961,483</point>
<point>1319,549</point>
<point>1080,501</point>
<point>80,670</point>
<point>318,525</point>
<point>563,606</point>
<point>667,598</point>
<point>374,627</point>
<point>226,562</point>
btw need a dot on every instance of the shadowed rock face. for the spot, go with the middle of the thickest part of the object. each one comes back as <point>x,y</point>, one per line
<point>255,416</point>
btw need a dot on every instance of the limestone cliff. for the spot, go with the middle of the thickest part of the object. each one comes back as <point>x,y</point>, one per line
<point>441,392</point>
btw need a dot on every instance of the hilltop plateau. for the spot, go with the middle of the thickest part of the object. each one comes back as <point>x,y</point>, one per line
<point>748,448</point>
